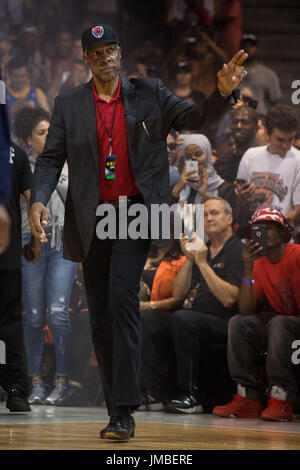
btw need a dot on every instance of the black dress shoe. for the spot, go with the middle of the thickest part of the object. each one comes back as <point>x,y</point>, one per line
<point>16,401</point>
<point>119,428</point>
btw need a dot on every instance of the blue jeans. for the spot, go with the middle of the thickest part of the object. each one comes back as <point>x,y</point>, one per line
<point>46,292</point>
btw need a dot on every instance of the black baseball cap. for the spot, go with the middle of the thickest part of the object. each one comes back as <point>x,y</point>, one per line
<point>100,34</point>
<point>182,66</point>
<point>249,38</point>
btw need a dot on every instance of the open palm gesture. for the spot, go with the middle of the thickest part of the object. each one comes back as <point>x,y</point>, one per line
<point>232,74</point>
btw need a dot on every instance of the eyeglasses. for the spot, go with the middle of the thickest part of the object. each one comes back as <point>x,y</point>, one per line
<point>111,52</point>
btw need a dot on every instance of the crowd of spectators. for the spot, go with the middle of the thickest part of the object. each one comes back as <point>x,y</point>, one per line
<point>248,161</point>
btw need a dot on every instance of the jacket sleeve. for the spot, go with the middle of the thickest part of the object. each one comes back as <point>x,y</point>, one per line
<point>51,161</point>
<point>181,114</point>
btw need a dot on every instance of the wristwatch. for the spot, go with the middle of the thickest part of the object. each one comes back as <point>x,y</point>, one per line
<point>153,305</point>
<point>232,98</point>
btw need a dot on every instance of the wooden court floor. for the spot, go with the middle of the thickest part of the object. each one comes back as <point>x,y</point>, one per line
<point>149,435</point>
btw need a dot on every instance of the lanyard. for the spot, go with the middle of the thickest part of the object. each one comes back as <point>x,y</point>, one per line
<point>112,126</point>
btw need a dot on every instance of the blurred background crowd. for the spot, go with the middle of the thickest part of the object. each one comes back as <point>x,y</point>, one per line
<point>184,43</point>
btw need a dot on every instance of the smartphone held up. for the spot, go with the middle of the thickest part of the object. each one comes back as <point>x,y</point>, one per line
<point>192,165</point>
<point>259,235</point>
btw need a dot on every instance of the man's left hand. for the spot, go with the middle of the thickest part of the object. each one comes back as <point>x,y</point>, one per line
<point>198,254</point>
<point>232,73</point>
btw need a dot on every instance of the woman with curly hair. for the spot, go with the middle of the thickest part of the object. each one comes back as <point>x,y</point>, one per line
<point>47,284</point>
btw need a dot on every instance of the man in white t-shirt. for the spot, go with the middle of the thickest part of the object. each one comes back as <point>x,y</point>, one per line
<point>272,172</point>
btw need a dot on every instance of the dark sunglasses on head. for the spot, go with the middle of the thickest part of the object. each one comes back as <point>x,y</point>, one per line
<point>172,146</point>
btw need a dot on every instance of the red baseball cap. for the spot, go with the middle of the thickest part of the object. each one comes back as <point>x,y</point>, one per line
<point>268,214</point>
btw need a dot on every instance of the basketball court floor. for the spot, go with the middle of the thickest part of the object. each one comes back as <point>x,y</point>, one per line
<point>54,428</point>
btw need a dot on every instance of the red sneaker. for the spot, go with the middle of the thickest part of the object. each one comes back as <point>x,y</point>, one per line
<point>239,407</point>
<point>277,410</point>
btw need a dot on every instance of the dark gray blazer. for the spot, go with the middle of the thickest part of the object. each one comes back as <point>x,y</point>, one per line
<point>73,137</point>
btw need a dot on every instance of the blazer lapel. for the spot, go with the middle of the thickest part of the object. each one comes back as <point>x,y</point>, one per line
<point>130,99</point>
<point>87,105</point>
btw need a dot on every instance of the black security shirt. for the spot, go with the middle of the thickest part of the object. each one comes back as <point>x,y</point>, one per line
<point>228,265</point>
<point>21,181</point>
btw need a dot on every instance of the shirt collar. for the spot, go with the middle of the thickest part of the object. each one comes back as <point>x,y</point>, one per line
<point>114,98</point>
<point>228,241</point>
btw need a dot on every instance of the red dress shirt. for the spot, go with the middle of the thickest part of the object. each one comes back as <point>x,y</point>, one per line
<point>124,182</point>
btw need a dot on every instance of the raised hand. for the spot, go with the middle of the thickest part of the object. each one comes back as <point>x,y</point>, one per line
<point>250,253</point>
<point>244,191</point>
<point>203,180</point>
<point>232,74</point>
<point>194,249</point>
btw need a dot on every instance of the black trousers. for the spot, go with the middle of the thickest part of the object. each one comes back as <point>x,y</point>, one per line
<point>251,335</point>
<point>187,332</point>
<point>158,372</point>
<point>14,373</point>
<point>112,273</point>
<point>191,332</point>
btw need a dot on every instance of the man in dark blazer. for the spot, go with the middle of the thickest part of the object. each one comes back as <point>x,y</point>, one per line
<point>129,120</point>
